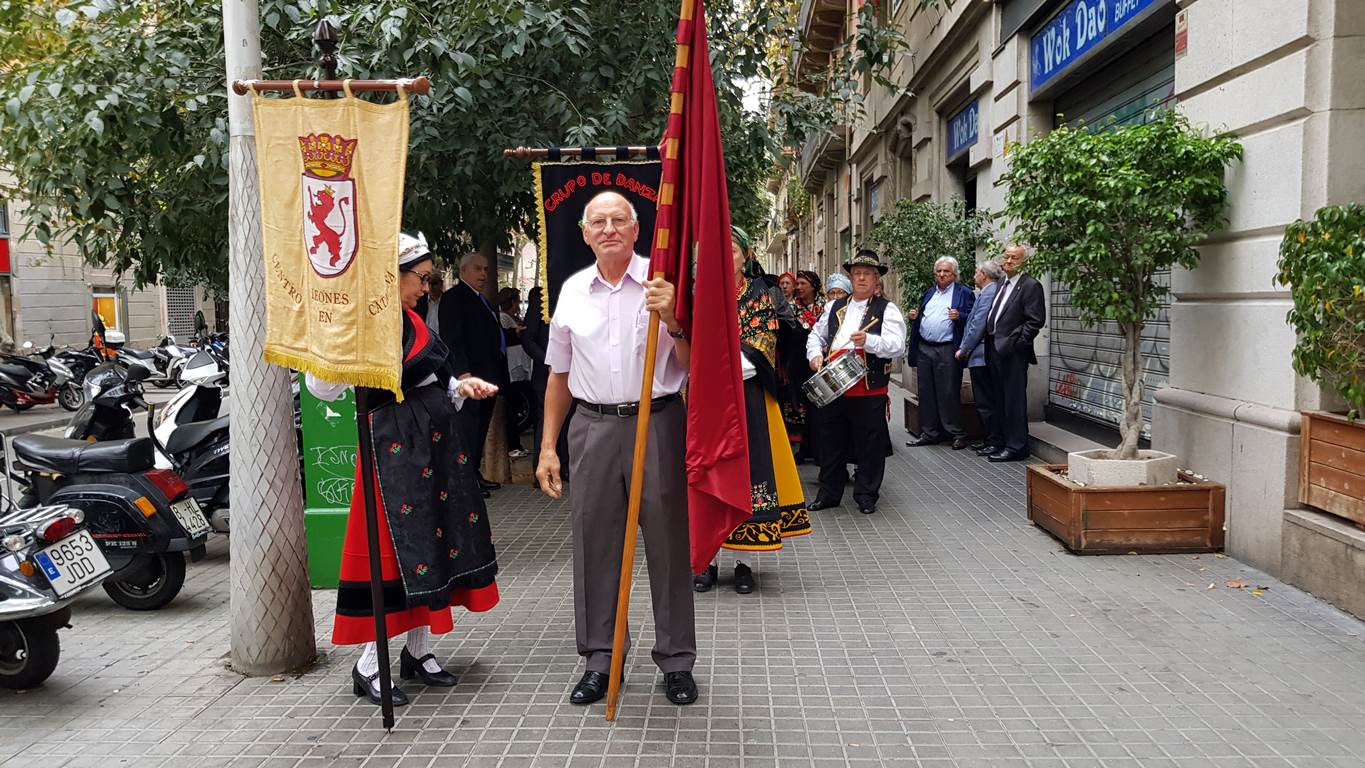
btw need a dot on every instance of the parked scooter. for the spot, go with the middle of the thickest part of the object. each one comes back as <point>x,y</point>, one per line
<point>26,381</point>
<point>112,393</point>
<point>143,518</point>
<point>192,439</point>
<point>170,358</point>
<point>46,559</point>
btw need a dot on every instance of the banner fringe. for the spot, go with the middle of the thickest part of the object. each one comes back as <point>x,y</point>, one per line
<point>384,380</point>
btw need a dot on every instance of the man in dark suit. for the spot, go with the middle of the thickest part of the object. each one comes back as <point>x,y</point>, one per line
<point>935,333</point>
<point>1017,315</point>
<point>471,329</point>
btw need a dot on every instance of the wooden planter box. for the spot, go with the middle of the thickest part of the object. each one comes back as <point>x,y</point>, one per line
<point>1332,465</point>
<point>1186,517</point>
<point>971,423</point>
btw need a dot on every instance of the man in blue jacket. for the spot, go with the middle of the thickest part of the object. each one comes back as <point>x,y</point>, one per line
<point>972,352</point>
<point>935,333</point>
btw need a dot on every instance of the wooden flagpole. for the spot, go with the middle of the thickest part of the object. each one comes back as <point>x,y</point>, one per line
<point>637,487</point>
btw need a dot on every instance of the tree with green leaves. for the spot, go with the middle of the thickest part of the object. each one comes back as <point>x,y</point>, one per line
<point>113,118</point>
<point>913,235</point>
<point>1322,260</point>
<point>1107,210</point>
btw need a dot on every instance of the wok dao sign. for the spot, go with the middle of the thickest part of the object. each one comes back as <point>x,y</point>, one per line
<point>963,129</point>
<point>1079,28</point>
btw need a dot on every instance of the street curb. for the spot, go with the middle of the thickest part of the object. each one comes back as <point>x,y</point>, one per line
<point>36,427</point>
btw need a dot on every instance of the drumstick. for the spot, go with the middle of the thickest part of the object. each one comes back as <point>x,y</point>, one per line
<point>870,323</point>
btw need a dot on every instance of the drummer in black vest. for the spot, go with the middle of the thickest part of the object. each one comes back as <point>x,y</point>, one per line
<point>854,426</point>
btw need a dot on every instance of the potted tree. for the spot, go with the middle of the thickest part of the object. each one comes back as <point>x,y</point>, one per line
<point>912,236</point>
<point>1323,263</point>
<point>1106,211</point>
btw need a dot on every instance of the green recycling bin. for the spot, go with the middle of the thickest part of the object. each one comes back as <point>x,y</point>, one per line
<point>329,449</point>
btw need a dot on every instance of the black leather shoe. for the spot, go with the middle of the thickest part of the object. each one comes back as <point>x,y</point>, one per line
<point>680,688</point>
<point>369,688</point>
<point>868,509</point>
<point>1004,455</point>
<point>978,445</point>
<point>959,443</point>
<point>920,443</point>
<point>409,667</point>
<point>592,687</point>
<point>819,504</point>
<point>704,581</point>
<point>488,485</point>
<point>987,450</point>
<point>486,494</point>
<point>744,579</point>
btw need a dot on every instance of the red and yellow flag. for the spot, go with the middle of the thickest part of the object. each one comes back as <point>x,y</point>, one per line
<point>692,248</point>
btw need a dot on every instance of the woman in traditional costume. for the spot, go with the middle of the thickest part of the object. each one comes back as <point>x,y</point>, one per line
<point>779,504</point>
<point>436,549</point>
<point>807,306</point>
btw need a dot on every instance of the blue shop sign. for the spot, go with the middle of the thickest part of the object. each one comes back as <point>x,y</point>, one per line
<point>962,129</point>
<point>1080,26</point>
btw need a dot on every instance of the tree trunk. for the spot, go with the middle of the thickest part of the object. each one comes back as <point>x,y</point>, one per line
<point>271,608</point>
<point>1130,427</point>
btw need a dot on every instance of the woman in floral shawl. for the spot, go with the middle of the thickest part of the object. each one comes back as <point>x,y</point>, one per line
<point>779,505</point>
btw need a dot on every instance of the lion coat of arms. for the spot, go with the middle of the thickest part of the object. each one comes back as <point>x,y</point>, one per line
<point>329,219</point>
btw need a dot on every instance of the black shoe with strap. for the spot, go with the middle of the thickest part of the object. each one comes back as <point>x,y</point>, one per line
<point>680,688</point>
<point>744,579</point>
<point>368,687</point>
<point>411,667</point>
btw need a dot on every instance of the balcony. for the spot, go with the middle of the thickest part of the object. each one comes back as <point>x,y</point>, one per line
<point>823,154</point>
<point>822,31</point>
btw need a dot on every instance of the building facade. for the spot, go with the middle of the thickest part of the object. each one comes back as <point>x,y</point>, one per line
<point>1284,75</point>
<point>49,294</point>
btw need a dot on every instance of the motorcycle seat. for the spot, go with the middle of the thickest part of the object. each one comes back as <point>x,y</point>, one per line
<point>186,436</point>
<point>59,456</point>
<point>17,371</point>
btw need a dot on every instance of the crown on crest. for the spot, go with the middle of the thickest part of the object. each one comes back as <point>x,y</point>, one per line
<point>327,156</point>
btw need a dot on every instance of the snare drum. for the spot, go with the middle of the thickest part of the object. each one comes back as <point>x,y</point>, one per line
<point>837,377</point>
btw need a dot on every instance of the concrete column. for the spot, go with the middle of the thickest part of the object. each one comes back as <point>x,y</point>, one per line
<point>271,609</point>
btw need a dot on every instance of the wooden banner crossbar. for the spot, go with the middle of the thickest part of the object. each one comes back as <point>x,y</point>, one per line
<point>556,153</point>
<point>420,85</point>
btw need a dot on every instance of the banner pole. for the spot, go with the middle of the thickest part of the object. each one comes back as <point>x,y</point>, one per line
<point>367,480</point>
<point>637,487</point>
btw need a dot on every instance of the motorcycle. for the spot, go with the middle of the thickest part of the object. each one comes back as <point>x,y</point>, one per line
<point>77,363</point>
<point>46,559</point>
<point>26,382</point>
<point>192,439</point>
<point>112,393</point>
<point>143,518</point>
<point>170,358</point>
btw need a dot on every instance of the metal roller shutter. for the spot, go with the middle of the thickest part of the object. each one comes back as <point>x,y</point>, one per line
<point>180,305</point>
<point>1084,367</point>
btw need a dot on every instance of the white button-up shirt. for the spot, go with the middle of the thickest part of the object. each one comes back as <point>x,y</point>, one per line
<point>889,344</point>
<point>597,336</point>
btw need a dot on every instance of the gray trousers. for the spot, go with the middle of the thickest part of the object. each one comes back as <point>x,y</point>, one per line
<point>940,392</point>
<point>601,449</point>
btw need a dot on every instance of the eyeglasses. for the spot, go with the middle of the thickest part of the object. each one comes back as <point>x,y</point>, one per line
<point>599,224</point>
<point>424,277</point>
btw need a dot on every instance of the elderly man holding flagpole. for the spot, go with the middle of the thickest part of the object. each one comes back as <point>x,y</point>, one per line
<point>691,252</point>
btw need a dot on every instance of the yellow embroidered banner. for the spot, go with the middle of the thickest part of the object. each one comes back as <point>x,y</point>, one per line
<point>331,173</point>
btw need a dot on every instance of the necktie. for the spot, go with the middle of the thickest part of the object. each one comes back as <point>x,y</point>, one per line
<point>999,305</point>
<point>502,338</point>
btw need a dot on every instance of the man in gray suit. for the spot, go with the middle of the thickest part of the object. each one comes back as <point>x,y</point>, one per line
<point>972,353</point>
<point>596,360</point>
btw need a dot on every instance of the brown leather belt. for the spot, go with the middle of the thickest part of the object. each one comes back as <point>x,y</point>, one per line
<point>626,410</point>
